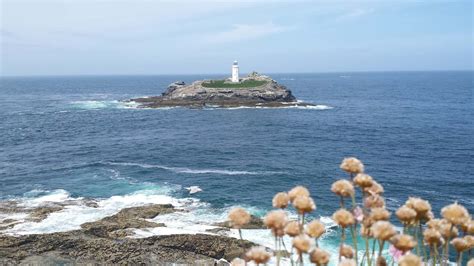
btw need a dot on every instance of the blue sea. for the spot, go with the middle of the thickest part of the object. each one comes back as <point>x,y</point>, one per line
<point>70,138</point>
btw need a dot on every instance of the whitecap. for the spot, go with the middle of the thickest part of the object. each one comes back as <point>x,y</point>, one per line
<point>195,171</point>
<point>77,212</point>
<point>194,189</point>
<point>103,104</point>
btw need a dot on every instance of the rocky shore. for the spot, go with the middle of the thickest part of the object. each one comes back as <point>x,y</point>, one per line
<point>199,94</point>
<point>111,241</point>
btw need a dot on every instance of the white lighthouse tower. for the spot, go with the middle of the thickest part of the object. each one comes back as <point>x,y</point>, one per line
<point>235,72</point>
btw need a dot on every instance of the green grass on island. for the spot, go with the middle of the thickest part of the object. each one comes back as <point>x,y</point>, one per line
<point>243,84</point>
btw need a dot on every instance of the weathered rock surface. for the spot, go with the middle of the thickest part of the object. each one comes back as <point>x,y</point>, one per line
<point>114,226</point>
<point>76,247</point>
<point>255,223</point>
<point>106,242</point>
<point>270,94</point>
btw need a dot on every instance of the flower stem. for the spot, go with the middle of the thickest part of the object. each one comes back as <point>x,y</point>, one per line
<point>425,255</point>
<point>382,243</point>
<point>343,238</point>
<point>367,250</point>
<point>354,240</point>
<point>240,234</point>
<point>460,259</point>
<point>446,248</point>
<point>416,239</point>
<point>277,251</point>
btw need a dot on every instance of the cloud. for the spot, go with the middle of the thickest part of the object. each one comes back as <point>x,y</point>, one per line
<point>240,32</point>
<point>353,14</point>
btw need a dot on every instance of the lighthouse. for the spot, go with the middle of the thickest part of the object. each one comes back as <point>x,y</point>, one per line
<point>235,72</point>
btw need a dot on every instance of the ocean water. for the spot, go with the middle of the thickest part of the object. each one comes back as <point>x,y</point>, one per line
<point>69,138</point>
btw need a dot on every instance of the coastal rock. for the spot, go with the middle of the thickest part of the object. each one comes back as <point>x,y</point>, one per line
<point>255,223</point>
<point>263,92</point>
<point>114,226</point>
<point>78,248</point>
<point>107,241</point>
<point>40,213</point>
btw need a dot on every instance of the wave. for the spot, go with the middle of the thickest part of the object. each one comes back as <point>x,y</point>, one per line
<point>312,107</point>
<point>76,211</point>
<point>195,171</point>
<point>103,104</point>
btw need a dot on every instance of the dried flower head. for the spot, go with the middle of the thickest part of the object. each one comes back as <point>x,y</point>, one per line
<point>298,191</point>
<point>347,262</point>
<point>304,204</point>
<point>363,180</point>
<point>403,242</point>
<point>281,200</point>
<point>460,244</point>
<point>406,215</point>
<point>319,256</point>
<point>470,241</point>
<point>258,254</point>
<point>346,251</point>
<point>315,229</point>
<point>434,224</point>
<point>238,217</point>
<point>237,262</point>
<point>383,230</point>
<point>292,229</point>
<point>343,218</point>
<point>302,243</point>
<point>447,230</point>
<point>376,188</point>
<point>421,207</point>
<point>379,214</point>
<point>374,201</point>
<point>470,262</point>
<point>468,226</point>
<point>432,237</point>
<point>365,231</point>
<point>276,220</point>
<point>343,188</point>
<point>409,260</point>
<point>455,214</point>
<point>352,165</point>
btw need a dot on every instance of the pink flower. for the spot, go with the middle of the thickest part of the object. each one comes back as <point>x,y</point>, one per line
<point>358,214</point>
<point>396,253</point>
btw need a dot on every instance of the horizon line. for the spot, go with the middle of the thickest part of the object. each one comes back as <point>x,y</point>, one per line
<point>200,74</point>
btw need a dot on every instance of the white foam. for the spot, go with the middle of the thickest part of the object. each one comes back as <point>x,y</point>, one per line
<point>72,216</point>
<point>194,189</point>
<point>194,171</point>
<point>289,106</point>
<point>54,196</point>
<point>102,104</point>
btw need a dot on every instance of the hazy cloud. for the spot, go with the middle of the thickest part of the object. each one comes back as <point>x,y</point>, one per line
<point>240,32</point>
<point>353,14</point>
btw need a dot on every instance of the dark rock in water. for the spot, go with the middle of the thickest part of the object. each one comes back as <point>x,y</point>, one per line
<point>197,95</point>
<point>219,231</point>
<point>134,217</point>
<point>40,213</point>
<point>78,248</point>
<point>255,223</point>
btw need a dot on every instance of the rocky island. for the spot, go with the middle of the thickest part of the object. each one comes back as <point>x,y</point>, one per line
<point>255,90</point>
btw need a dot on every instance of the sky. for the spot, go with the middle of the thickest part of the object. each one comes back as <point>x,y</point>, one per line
<point>104,37</point>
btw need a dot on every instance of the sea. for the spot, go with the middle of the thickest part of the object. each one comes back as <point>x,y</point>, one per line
<point>68,138</point>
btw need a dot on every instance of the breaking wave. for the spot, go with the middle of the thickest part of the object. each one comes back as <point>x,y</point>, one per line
<point>95,104</point>
<point>195,171</point>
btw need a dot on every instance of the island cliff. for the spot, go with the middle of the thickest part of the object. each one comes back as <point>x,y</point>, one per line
<point>253,91</point>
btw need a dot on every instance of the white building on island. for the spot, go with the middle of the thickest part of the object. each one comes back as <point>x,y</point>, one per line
<point>235,72</point>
